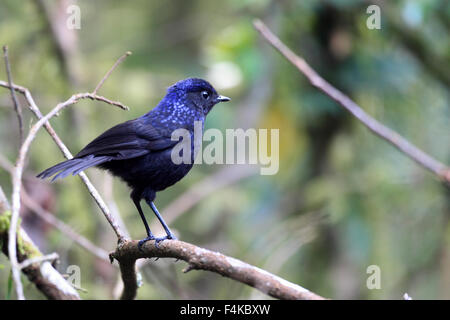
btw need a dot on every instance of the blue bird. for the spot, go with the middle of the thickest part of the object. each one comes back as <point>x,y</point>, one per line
<point>139,151</point>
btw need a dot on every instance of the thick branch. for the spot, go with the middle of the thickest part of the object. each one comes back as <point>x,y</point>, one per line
<point>202,259</point>
<point>423,159</point>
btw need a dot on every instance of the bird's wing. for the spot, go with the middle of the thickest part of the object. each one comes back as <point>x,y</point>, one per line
<point>127,140</point>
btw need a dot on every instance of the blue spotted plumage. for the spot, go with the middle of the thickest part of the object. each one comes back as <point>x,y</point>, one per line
<point>139,151</point>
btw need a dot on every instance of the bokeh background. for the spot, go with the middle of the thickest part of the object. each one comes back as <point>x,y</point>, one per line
<point>342,200</point>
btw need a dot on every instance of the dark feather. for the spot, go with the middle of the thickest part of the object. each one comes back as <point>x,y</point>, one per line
<point>124,141</point>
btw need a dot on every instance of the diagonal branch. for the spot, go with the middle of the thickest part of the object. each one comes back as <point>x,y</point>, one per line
<point>423,159</point>
<point>46,278</point>
<point>202,259</point>
<point>63,227</point>
<point>106,76</point>
<point>17,107</point>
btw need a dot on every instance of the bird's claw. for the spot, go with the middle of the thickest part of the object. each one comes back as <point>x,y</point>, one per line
<point>168,237</point>
<point>157,240</point>
<point>141,242</point>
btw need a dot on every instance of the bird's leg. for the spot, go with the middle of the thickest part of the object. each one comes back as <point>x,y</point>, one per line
<point>150,235</point>
<point>169,233</point>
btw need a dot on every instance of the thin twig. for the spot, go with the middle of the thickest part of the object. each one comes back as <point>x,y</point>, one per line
<point>63,228</point>
<point>17,107</point>
<point>202,259</point>
<point>46,278</point>
<point>106,76</point>
<point>86,95</point>
<point>49,257</point>
<point>423,159</point>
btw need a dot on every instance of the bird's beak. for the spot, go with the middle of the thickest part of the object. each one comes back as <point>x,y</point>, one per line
<point>222,99</point>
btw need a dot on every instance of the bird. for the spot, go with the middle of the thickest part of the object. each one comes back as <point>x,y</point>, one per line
<point>139,151</point>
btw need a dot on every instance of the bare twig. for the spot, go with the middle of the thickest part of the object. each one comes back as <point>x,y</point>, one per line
<point>202,259</point>
<point>106,76</point>
<point>46,278</point>
<point>423,159</point>
<point>78,96</point>
<point>17,107</point>
<point>64,228</point>
<point>49,257</point>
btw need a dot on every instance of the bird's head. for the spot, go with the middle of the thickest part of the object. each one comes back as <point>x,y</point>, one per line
<point>196,93</point>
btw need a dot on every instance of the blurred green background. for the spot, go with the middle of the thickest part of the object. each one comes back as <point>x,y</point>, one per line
<point>342,200</point>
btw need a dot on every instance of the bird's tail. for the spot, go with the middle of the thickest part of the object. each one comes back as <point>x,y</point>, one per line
<point>73,166</point>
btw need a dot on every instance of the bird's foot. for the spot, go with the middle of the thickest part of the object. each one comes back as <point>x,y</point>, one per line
<point>170,236</point>
<point>157,240</point>
<point>141,242</point>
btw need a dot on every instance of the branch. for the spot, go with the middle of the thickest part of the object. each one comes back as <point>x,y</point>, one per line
<point>17,107</point>
<point>106,76</point>
<point>423,159</point>
<point>49,257</point>
<point>63,227</point>
<point>202,259</point>
<point>46,278</point>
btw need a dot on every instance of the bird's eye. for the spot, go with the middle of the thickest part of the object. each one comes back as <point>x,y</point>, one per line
<point>205,95</point>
